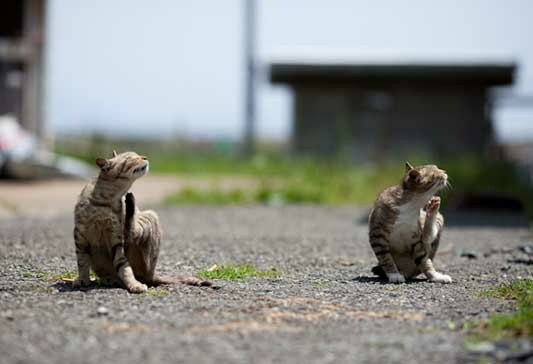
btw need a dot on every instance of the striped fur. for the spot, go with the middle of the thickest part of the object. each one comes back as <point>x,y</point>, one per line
<point>119,243</point>
<point>404,236</point>
<point>142,234</point>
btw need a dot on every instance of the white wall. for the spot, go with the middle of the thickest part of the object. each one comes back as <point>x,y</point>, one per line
<point>138,67</point>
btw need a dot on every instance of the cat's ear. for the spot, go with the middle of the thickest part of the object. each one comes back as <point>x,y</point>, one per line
<point>413,174</point>
<point>408,167</point>
<point>114,153</point>
<point>101,162</point>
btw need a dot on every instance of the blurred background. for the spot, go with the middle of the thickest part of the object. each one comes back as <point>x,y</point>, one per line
<point>268,101</point>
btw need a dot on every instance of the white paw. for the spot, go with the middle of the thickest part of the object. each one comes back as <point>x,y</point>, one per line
<point>396,278</point>
<point>433,205</point>
<point>137,288</point>
<point>441,278</point>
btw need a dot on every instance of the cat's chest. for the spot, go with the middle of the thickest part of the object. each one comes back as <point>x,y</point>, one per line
<point>406,229</point>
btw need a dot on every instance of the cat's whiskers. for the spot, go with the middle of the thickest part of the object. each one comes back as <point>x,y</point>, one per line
<point>448,185</point>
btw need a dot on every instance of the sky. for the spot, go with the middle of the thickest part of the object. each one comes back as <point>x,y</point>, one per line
<point>166,67</point>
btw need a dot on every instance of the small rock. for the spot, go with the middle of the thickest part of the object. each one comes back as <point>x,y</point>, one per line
<point>346,262</point>
<point>8,315</point>
<point>526,248</point>
<point>470,254</point>
<point>102,311</point>
<point>521,260</point>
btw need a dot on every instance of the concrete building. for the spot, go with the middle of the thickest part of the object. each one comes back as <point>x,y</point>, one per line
<point>21,62</point>
<point>378,107</point>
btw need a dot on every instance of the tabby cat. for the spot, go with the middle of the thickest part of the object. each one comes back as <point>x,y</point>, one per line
<point>404,237</point>
<point>112,236</point>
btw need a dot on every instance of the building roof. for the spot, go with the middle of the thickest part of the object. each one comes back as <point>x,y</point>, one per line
<point>370,67</point>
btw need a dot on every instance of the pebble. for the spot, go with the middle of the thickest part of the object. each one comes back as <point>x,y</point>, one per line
<point>521,260</point>
<point>192,306</point>
<point>526,248</point>
<point>471,254</point>
<point>8,315</point>
<point>102,311</point>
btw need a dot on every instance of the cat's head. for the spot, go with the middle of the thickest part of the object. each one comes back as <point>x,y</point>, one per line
<point>127,165</point>
<point>427,178</point>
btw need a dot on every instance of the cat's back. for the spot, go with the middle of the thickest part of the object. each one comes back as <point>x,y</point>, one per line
<point>90,217</point>
<point>84,205</point>
<point>384,209</point>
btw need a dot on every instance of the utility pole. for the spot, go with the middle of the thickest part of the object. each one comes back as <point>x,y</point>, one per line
<point>249,61</point>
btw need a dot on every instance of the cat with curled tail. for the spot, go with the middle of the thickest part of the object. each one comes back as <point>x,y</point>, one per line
<point>115,239</point>
<point>405,226</point>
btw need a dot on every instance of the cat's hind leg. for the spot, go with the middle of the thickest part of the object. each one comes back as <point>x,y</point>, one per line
<point>143,236</point>
<point>386,265</point>
<point>123,268</point>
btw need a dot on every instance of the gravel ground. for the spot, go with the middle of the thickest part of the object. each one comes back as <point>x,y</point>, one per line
<point>326,307</point>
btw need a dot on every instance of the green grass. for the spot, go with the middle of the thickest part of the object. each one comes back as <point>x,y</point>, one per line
<point>38,273</point>
<point>211,197</point>
<point>289,181</point>
<point>233,272</point>
<point>502,325</point>
<point>277,178</point>
<point>156,292</point>
<point>520,291</point>
<point>283,181</point>
<point>264,195</point>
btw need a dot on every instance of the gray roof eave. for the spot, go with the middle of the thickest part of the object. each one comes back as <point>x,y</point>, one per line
<point>490,74</point>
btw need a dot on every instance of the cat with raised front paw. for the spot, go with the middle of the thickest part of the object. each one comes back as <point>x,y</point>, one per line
<point>405,226</point>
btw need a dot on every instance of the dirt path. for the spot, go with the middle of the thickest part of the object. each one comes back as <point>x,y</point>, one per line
<point>55,197</point>
<point>326,307</point>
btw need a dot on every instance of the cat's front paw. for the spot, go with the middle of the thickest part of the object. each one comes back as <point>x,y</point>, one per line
<point>77,283</point>
<point>137,287</point>
<point>433,205</point>
<point>396,278</point>
<point>440,278</point>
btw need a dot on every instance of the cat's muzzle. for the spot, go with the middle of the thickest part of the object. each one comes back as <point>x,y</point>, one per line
<point>139,171</point>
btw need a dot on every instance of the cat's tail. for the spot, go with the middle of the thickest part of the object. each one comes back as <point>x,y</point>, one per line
<point>378,270</point>
<point>189,280</point>
<point>130,212</point>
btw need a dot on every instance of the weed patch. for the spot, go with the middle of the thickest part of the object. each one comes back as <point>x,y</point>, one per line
<point>515,324</point>
<point>237,272</point>
<point>156,292</point>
